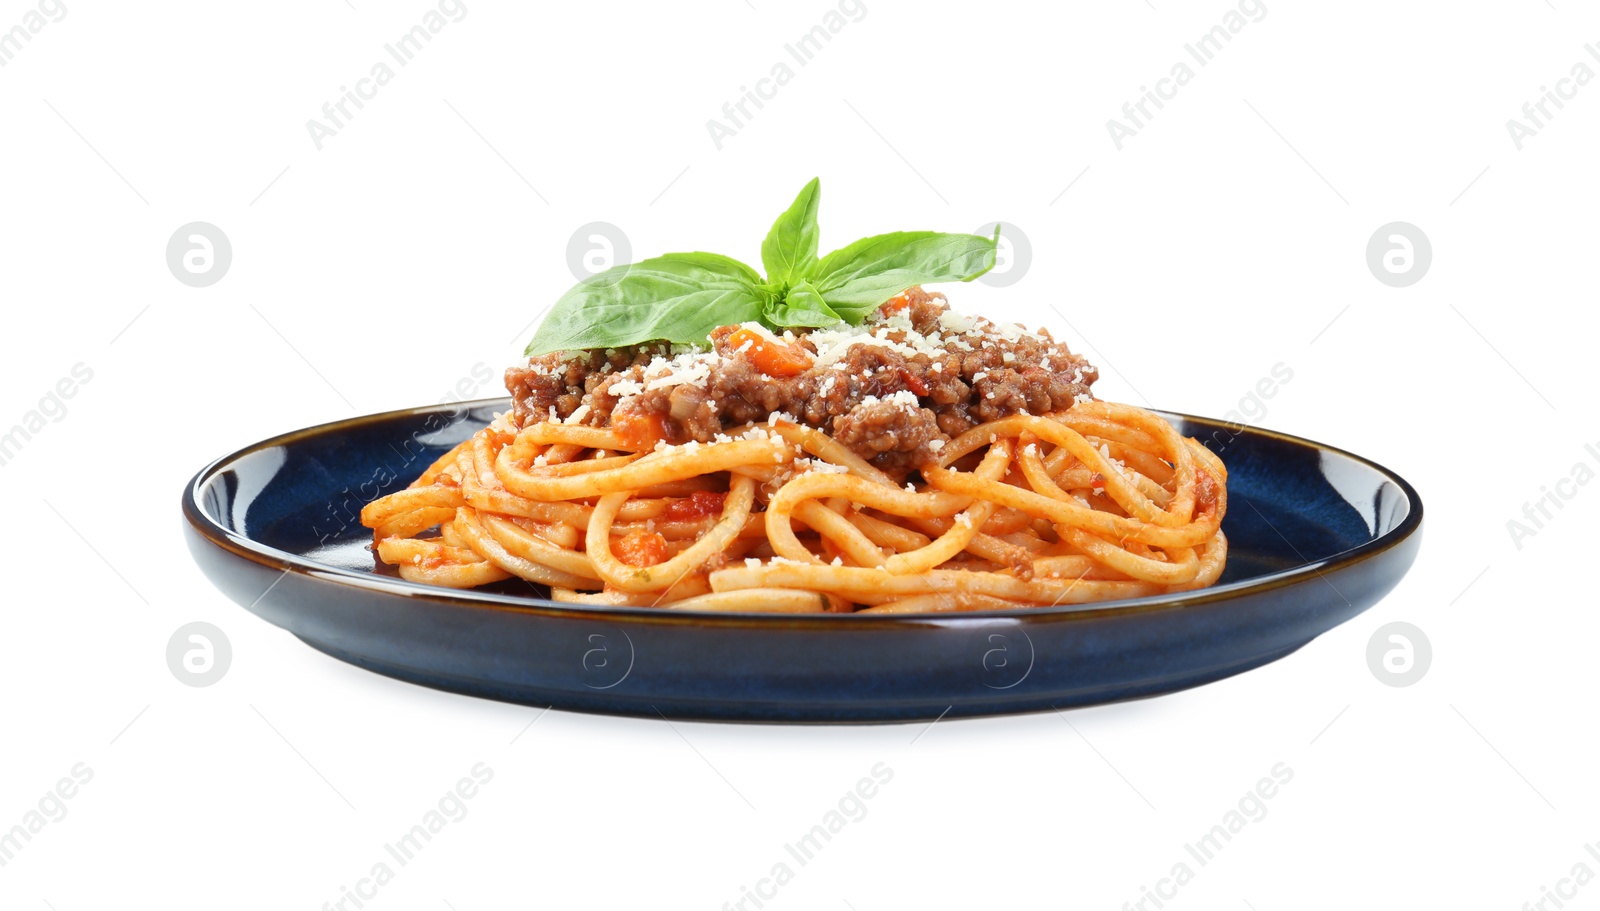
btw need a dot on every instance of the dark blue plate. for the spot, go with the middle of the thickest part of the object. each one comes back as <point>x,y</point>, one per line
<point>1316,536</point>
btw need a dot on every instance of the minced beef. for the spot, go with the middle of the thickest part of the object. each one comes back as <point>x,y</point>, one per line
<point>918,375</point>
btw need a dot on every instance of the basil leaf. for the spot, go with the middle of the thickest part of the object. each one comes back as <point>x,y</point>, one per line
<point>681,297</point>
<point>678,297</point>
<point>802,306</point>
<point>857,279</point>
<point>790,250</point>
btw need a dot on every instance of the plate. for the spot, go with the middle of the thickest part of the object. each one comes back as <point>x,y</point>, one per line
<point>1316,536</point>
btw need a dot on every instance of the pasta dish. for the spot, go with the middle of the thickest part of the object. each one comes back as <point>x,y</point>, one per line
<point>879,457</point>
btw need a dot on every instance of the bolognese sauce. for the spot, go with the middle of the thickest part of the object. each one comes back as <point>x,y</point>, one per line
<point>894,390</point>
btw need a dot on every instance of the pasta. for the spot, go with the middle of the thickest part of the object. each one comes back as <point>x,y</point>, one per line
<point>1100,501</point>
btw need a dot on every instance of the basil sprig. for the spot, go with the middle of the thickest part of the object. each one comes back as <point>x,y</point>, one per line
<point>681,297</point>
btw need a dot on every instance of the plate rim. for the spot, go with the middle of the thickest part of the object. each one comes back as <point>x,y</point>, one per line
<point>283,561</point>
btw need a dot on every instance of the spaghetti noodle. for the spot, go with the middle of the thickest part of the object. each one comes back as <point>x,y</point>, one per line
<point>1092,502</point>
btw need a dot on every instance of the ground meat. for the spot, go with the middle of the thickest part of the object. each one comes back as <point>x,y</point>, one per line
<point>894,435</point>
<point>556,382</point>
<point>922,376</point>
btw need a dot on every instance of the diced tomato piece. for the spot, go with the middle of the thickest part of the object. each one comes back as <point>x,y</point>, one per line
<point>770,357</point>
<point>696,505</point>
<point>642,548</point>
<point>913,382</point>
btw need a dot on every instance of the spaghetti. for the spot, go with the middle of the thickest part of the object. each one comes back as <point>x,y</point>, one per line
<point>1092,502</point>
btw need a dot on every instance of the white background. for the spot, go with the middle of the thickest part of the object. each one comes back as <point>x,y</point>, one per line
<point>1227,236</point>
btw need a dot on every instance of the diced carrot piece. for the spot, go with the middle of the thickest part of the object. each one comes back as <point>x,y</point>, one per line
<point>771,358</point>
<point>638,429</point>
<point>642,548</point>
<point>897,303</point>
